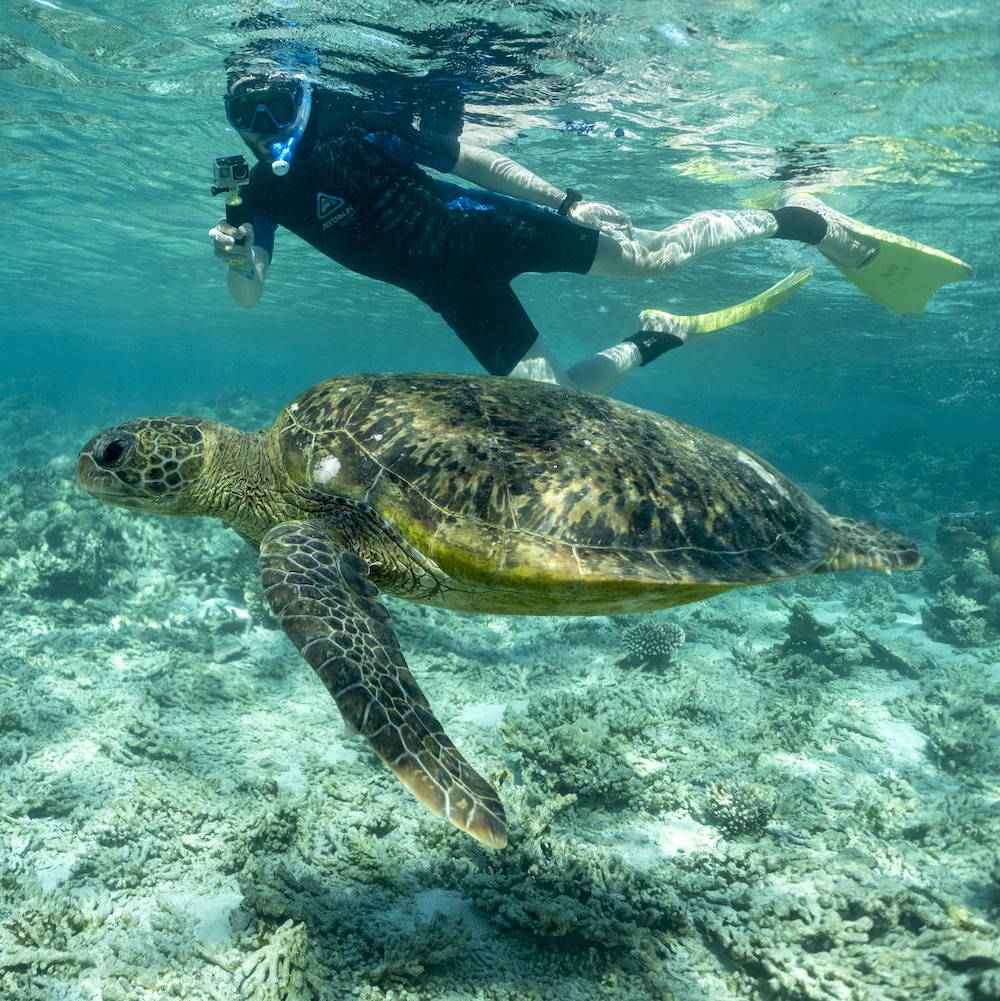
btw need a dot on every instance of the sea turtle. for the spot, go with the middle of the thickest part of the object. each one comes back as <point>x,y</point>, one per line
<point>479,494</point>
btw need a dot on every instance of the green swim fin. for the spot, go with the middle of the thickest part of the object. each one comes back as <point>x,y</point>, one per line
<point>902,274</point>
<point>687,328</point>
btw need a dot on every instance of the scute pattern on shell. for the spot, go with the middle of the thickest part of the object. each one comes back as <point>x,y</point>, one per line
<point>512,469</point>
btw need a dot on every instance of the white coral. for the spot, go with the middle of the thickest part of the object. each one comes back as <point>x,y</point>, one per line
<point>275,971</point>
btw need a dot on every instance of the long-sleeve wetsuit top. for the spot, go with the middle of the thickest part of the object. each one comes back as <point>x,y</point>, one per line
<point>356,193</point>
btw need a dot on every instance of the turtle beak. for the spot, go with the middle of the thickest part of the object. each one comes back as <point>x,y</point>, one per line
<point>101,484</point>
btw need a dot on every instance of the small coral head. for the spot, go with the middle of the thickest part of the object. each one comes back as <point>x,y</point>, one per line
<point>145,465</point>
<point>652,642</point>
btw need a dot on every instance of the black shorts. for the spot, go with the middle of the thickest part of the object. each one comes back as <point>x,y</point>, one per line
<point>500,239</point>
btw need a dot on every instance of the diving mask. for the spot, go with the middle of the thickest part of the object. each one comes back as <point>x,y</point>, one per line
<point>272,119</point>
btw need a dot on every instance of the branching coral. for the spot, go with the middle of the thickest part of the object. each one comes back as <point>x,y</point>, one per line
<point>955,618</point>
<point>651,643</point>
<point>583,897</point>
<point>966,609</point>
<point>582,744</point>
<point>740,807</point>
<point>275,971</point>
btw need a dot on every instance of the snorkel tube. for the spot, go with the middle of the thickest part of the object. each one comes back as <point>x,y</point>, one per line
<point>283,149</point>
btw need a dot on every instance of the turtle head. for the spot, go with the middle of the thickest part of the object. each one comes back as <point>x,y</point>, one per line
<point>149,465</point>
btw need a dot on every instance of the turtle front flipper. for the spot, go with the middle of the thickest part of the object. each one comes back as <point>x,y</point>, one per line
<point>330,610</point>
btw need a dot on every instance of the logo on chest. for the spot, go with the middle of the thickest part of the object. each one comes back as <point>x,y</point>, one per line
<point>332,211</point>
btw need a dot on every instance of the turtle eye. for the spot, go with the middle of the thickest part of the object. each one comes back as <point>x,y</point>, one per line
<point>112,453</point>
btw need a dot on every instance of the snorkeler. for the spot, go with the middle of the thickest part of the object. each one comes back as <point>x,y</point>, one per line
<point>348,179</point>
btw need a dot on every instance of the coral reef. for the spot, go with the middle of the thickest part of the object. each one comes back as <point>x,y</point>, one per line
<point>959,711</point>
<point>582,897</point>
<point>651,643</point>
<point>802,806</point>
<point>275,971</point>
<point>739,807</point>
<point>966,609</point>
<point>51,544</point>
<point>819,649</point>
<point>578,746</point>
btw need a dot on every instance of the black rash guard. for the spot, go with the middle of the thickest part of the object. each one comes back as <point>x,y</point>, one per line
<point>355,192</point>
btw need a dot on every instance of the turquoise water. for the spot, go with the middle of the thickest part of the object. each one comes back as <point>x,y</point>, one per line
<point>112,116</point>
<point>799,802</point>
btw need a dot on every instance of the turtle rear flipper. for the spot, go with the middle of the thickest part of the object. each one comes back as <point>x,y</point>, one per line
<point>860,545</point>
<point>328,607</point>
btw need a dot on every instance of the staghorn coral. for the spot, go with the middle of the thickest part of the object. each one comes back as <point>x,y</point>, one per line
<point>583,745</point>
<point>408,954</point>
<point>960,714</point>
<point>583,897</point>
<point>276,971</point>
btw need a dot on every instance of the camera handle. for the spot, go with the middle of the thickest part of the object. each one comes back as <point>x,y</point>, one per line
<point>236,213</point>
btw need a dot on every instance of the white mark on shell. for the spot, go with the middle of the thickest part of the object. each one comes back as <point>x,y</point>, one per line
<point>326,469</point>
<point>767,477</point>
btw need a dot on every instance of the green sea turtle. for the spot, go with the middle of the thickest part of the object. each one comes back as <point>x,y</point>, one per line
<point>472,493</point>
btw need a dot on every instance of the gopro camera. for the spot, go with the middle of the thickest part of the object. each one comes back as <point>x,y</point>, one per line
<point>229,173</point>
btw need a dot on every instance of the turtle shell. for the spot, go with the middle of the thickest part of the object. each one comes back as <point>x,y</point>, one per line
<point>563,500</point>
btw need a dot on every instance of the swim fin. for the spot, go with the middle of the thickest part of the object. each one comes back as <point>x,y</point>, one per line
<point>900,274</point>
<point>687,328</point>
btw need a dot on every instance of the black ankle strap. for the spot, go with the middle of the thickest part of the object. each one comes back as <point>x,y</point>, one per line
<point>653,343</point>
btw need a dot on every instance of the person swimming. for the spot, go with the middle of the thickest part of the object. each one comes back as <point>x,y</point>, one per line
<point>350,179</point>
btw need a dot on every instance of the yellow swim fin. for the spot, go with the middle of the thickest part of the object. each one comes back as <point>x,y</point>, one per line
<point>687,328</point>
<point>902,274</point>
